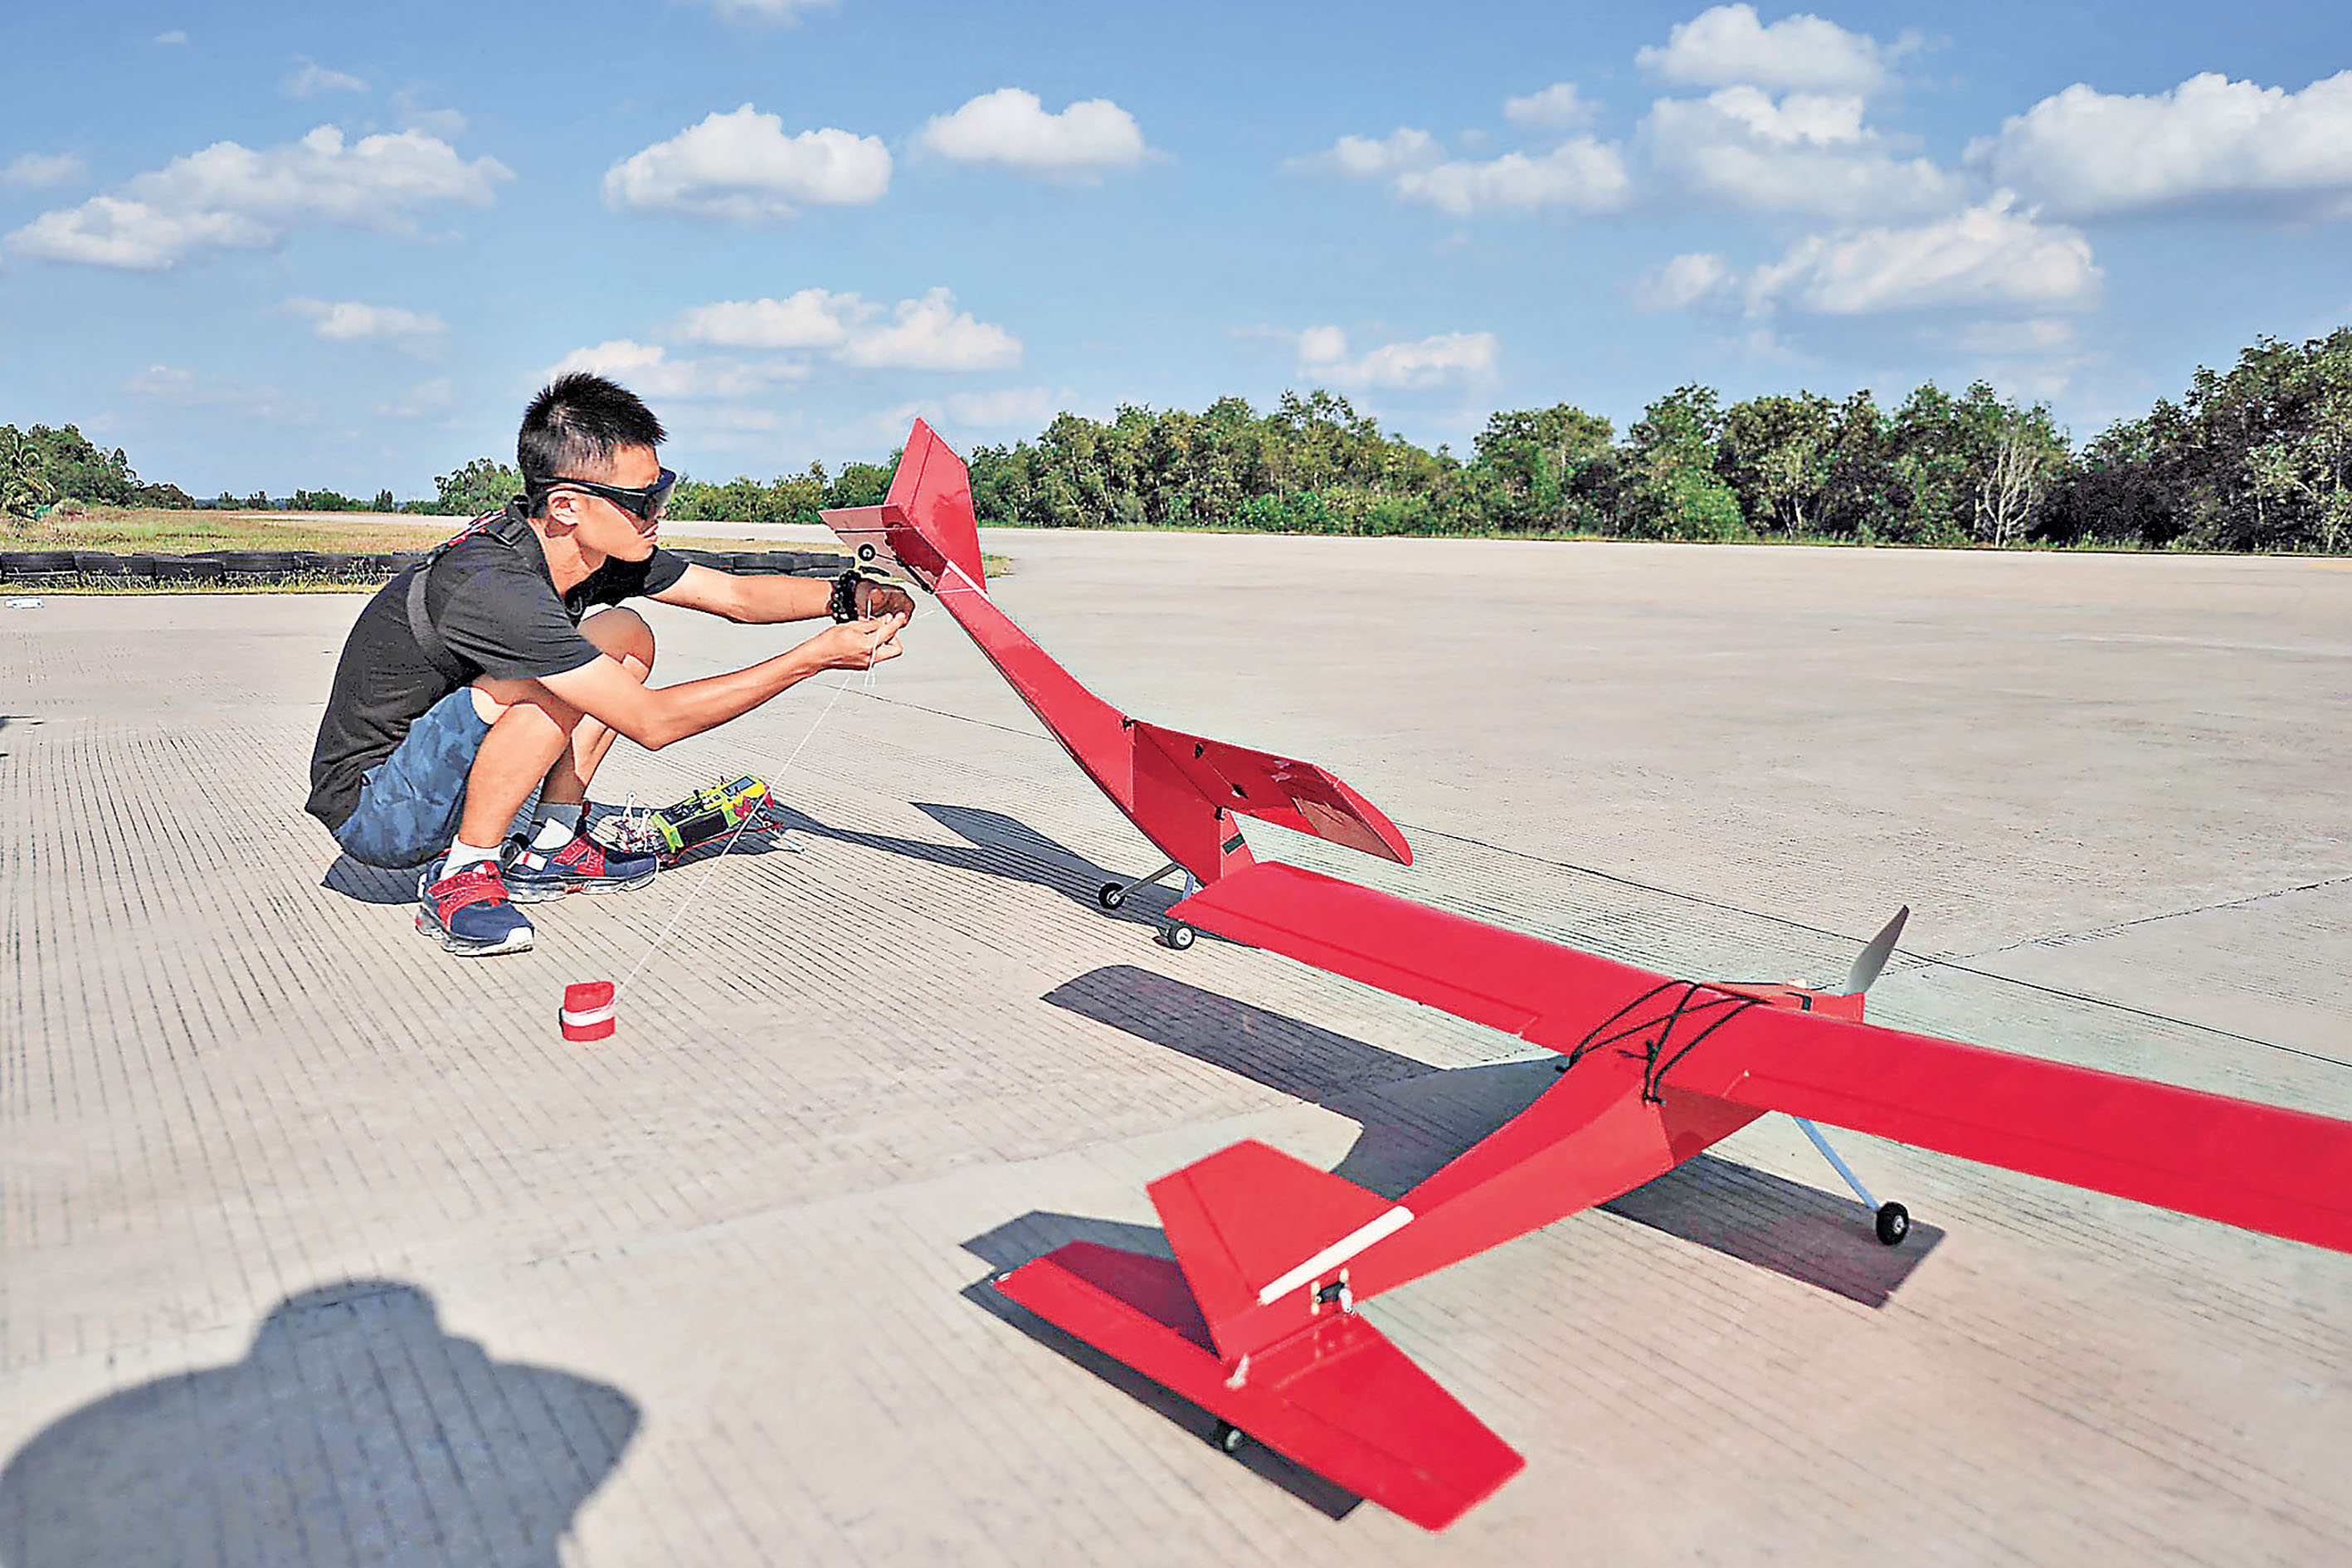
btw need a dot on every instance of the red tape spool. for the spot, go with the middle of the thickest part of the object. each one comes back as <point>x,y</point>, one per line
<point>589,1009</point>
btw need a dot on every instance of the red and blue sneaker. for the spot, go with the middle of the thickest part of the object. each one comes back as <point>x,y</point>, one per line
<point>469,913</point>
<point>582,866</point>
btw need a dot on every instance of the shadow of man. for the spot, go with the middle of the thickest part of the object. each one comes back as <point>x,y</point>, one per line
<point>354,1431</point>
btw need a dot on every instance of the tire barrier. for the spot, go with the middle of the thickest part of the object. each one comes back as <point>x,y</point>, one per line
<point>100,568</point>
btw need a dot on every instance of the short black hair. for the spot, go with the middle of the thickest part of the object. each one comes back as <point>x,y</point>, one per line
<point>578,421</point>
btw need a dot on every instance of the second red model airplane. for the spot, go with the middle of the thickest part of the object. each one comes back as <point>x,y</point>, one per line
<point>1256,1321</point>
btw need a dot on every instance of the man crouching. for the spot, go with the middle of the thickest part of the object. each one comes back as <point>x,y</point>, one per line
<point>472,679</point>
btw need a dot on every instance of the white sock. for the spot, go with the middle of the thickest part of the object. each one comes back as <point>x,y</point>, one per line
<point>462,855</point>
<point>556,825</point>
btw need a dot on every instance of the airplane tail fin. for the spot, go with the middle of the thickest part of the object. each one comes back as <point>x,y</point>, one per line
<point>924,526</point>
<point>1253,1323</point>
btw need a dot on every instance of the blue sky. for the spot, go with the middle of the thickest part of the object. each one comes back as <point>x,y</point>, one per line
<point>270,245</point>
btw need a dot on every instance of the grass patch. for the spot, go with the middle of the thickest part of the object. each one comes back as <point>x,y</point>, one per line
<point>152,532</point>
<point>141,530</point>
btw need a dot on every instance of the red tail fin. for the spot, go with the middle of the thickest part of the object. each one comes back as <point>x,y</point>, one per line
<point>924,526</point>
<point>1262,1237</point>
<point>1253,1322</point>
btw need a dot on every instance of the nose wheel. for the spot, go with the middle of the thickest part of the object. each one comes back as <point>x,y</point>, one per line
<point>1112,897</point>
<point>1894,1224</point>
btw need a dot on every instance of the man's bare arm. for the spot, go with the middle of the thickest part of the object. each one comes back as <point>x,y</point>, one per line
<point>653,716</point>
<point>765,600</point>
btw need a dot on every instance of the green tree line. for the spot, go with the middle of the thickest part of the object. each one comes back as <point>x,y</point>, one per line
<point>2256,457</point>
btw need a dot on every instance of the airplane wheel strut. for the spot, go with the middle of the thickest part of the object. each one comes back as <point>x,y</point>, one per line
<point>1228,1437</point>
<point>1894,1224</point>
<point>1111,895</point>
<point>1178,937</point>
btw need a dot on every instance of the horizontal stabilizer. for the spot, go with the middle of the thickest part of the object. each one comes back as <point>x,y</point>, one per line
<point>1338,1399</point>
<point>1254,1228</point>
<point>924,526</point>
<point>2285,1173</point>
<point>1288,793</point>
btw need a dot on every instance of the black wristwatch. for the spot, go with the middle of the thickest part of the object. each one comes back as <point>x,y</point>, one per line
<point>844,596</point>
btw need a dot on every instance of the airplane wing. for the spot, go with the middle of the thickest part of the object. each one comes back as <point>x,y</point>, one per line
<point>2285,1173</point>
<point>2266,1168</point>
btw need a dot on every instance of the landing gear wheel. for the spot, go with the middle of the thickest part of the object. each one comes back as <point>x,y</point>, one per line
<point>1111,895</point>
<point>1894,1224</point>
<point>1228,1437</point>
<point>1178,937</point>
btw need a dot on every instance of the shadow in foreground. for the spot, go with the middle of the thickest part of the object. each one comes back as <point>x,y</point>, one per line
<point>354,1431</point>
<point>1415,1119</point>
<point>996,845</point>
<point>1033,1234</point>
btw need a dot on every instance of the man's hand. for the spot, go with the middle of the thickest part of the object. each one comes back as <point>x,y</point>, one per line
<point>860,644</point>
<point>875,599</point>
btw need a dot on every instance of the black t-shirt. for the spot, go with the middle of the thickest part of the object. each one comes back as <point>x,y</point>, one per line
<point>493,602</point>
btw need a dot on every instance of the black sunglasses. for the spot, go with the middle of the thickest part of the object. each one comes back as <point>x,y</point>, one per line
<point>645,502</point>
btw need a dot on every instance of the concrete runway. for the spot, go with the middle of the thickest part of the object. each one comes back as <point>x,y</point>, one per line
<point>318,1245</point>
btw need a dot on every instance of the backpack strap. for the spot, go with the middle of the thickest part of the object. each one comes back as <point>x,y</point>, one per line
<point>428,637</point>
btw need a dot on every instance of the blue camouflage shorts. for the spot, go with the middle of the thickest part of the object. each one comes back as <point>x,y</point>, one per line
<point>410,802</point>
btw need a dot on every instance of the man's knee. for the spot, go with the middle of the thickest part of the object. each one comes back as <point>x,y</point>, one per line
<point>621,634</point>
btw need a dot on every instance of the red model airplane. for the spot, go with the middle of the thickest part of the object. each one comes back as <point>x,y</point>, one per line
<point>1256,1321</point>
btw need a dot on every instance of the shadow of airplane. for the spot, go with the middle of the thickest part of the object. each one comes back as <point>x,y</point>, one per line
<point>1018,1241</point>
<point>996,845</point>
<point>1416,1117</point>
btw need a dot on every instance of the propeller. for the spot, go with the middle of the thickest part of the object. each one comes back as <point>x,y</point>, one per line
<point>1873,959</point>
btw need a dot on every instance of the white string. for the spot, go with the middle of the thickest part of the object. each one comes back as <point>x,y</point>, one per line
<point>773,784</point>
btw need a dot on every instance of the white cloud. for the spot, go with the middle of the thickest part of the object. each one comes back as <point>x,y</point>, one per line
<point>2034,337</point>
<point>2084,154</point>
<point>1684,281</point>
<point>174,36</point>
<point>314,79</point>
<point>190,389</point>
<point>743,167</point>
<point>812,318</point>
<point>349,322</point>
<point>1558,107</point>
<point>930,333</point>
<point>1011,127</point>
<point>1322,345</point>
<point>1988,258</point>
<point>648,370</point>
<point>1366,158</point>
<point>422,401</point>
<point>229,196</point>
<point>1429,362</point>
<point>925,333</point>
<point>762,10</point>
<point>414,115</point>
<point>42,171</point>
<point>1580,175</point>
<point>1026,406</point>
<point>1805,152</point>
<point>1730,46</point>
